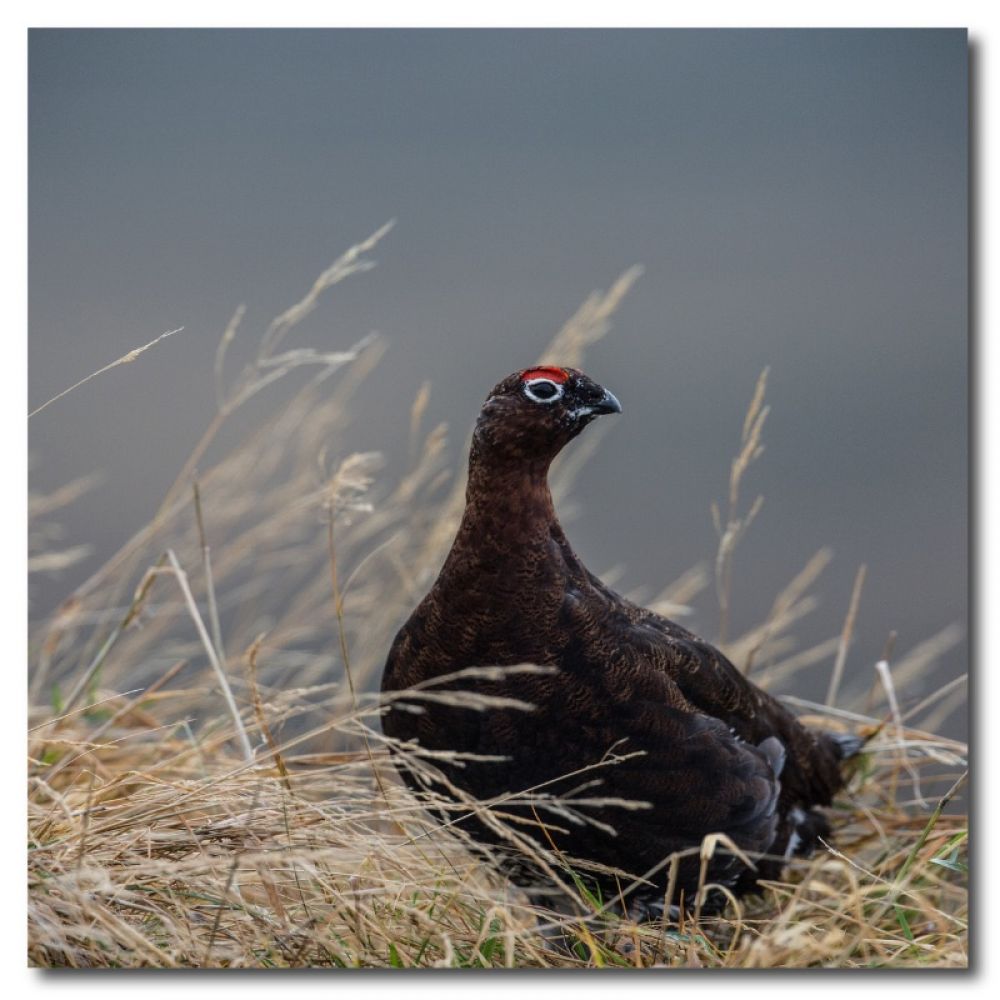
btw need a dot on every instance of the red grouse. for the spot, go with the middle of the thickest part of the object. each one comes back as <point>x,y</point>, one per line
<point>642,740</point>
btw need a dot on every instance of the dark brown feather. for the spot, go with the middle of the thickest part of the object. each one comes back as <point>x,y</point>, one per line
<point>700,746</point>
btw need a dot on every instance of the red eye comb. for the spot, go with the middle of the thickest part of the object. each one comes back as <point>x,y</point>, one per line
<point>553,374</point>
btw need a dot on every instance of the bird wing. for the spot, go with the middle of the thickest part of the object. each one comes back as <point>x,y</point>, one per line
<point>698,776</point>
<point>694,775</point>
<point>712,685</point>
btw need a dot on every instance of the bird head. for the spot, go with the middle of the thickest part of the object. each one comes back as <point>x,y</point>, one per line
<point>533,413</point>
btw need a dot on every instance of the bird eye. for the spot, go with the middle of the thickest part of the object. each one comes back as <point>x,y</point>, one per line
<point>541,390</point>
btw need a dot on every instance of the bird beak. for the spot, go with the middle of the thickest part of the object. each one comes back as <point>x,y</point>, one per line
<point>609,404</point>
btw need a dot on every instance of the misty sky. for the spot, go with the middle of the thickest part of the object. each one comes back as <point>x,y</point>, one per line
<point>797,199</point>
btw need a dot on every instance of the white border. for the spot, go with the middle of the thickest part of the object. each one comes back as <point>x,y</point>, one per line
<point>979,17</point>
<point>512,13</point>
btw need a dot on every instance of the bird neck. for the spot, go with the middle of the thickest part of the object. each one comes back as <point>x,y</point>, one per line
<point>508,503</point>
<point>509,542</point>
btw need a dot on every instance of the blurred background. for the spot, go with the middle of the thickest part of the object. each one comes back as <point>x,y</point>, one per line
<point>797,200</point>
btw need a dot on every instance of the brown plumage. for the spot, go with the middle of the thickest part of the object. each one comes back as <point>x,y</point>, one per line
<point>677,727</point>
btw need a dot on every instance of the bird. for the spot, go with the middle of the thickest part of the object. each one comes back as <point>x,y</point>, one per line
<point>628,739</point>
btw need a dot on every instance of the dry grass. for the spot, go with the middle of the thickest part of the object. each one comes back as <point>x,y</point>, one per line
<point>209,786</point>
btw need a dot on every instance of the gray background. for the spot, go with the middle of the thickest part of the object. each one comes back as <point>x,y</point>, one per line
<point>798,200</point>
